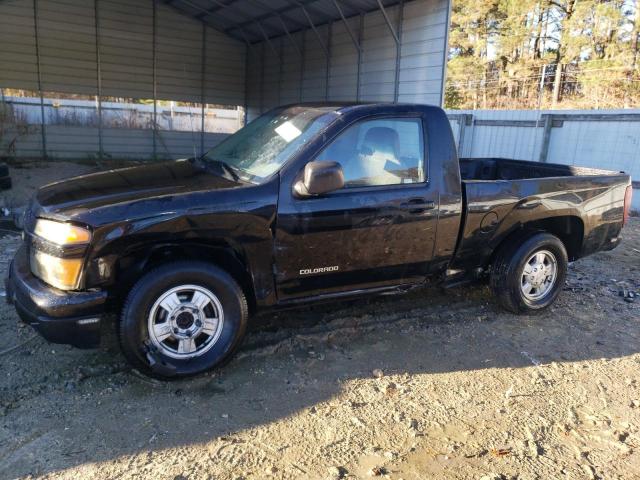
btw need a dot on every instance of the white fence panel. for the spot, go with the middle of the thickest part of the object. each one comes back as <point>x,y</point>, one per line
<point>607,139</point>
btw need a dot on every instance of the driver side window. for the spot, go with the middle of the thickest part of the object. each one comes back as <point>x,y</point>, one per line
<point>386,151</point>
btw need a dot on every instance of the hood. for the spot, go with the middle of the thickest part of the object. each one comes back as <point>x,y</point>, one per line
<point>128,185</point>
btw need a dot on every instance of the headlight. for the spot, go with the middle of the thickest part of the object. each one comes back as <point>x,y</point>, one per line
<point>62,273</point>
<point>61,233</point>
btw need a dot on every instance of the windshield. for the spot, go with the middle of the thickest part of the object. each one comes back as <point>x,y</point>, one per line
<point>258,150</point>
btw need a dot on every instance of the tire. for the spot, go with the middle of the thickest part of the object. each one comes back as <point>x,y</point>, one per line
<point>5,183</point>
<point>160,305</point>
<point>510,282</point>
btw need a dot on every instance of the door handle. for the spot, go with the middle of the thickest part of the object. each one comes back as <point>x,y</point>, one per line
<point>418,205</point>
<point>529,205</point>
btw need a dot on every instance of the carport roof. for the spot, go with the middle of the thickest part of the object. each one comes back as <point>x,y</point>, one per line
<point>254,20</point>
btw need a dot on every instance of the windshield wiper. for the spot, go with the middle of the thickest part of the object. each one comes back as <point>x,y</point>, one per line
<point>226,167</point>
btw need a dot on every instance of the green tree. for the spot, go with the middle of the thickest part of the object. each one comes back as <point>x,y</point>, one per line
<point>535,53</point>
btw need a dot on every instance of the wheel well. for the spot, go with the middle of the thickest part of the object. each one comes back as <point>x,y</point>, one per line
<point>569,229</point>
<point>132,267</point>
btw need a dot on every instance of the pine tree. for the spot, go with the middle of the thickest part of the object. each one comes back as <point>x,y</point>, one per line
<point>530,53</point>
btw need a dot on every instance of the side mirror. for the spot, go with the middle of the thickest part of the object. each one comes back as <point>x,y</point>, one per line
<point>319,178</point>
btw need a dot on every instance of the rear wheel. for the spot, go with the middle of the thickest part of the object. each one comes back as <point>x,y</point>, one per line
<point>527,275</point>
<point>182,318</point>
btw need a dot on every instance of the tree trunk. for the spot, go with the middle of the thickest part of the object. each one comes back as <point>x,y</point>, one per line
<point>557,85</point>
<point>636,40</point>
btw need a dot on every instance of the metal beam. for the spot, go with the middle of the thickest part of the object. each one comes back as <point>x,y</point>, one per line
<point>463,120</point>
<point>246,39</point>
<point>356,43</point>
<point>262,62</point>
<point>546,137</point>
<point>218,6</point>
<point>154,56</point>
<point>328,64</point>
<point>360,39</point>
<point>277,14</point>
<point>203,66</point>
<point>291,39</point>
<point>43,132</point>
<point>203,12</point>
<point>388,22</point>
<point>313,27</point>
<point>302,61</point>
<point>98,80</point>
<point>445,54</point>
<point>596,117</point>
<point>271,14</point>
<point>247,51</point>
<point>280,72</point>
<point>268,40</point>
<point>396,91</point>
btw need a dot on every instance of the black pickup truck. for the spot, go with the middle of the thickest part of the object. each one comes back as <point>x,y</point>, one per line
<point>307,203</point>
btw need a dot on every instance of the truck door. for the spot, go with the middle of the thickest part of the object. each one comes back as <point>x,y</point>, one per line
<point>379,230</point>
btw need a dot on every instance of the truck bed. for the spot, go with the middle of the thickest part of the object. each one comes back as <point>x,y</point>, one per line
<point>507,169</point>
<point>502,195</point>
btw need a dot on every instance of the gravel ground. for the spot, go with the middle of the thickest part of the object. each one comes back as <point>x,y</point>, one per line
<point>431,384</point>
<point>29,176</point>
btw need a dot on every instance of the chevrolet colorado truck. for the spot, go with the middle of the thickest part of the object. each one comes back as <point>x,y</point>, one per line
<point>310,202</point>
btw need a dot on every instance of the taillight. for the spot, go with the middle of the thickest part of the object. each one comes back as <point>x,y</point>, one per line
<point>627,204</point>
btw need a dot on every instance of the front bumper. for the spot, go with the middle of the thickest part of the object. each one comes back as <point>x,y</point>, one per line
<point>72,318</point>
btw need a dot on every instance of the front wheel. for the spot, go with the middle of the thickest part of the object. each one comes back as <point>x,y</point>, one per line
<point>528,276</point>
<point>182,318</point>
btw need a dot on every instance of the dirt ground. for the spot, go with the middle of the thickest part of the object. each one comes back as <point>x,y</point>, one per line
<point>431,384</point>
<point>30,175</point>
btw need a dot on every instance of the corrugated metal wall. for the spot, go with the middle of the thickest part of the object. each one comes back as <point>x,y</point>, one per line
<point>144,49</point>
<point>126,48</point>
<point>66,46</point>
<point>303,73</point>
<point>18,60</point>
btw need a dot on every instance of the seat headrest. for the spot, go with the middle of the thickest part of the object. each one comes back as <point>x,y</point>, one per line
<point>383,140</point>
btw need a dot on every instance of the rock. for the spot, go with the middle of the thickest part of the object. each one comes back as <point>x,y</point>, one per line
<point>377,471</point>
<point>377,373</point>
<point>590,471</point>
<point>635,403</point>
<point>271,470</point>
<point>336,472</point>
<point>534,449</point>
<point>357,422</point>
<point>413,424</point>
<point>492,476</point>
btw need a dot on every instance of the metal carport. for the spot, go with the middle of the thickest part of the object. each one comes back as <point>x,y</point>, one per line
<point>254,54</point>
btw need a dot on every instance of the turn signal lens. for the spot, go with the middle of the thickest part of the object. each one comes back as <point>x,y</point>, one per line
<point>61,233</point>
<point>62,273</point>
<point>628,194</point>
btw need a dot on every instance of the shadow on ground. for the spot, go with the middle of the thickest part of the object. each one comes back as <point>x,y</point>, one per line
<point>62,408</point>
